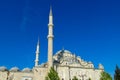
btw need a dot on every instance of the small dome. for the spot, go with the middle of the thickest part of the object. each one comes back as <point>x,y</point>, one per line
<point>14,69</point>
<point>43,65</point>
<point>90,62</point>
<point>78,57</point>
<point>26,70</point>
<point>2,68</point>
<point>101,66</point>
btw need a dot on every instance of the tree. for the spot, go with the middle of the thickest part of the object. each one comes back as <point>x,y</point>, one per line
<point>105,76</point>
<point>89,79</point>
<point>117,73</point>
<point>75,78</point>
<point>52,75</point>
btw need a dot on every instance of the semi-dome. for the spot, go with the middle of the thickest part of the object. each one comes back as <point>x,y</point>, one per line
<point>14,69</point>
<point>26,70</point>
<point>3,68</point>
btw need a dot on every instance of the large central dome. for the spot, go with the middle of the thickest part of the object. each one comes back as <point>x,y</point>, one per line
<point>65,57</point>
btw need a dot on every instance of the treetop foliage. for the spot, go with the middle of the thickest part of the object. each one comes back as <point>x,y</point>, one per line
<point>52,75</point>
<point>117,73</point>
<point>105,76</point>
<point>75,78</point>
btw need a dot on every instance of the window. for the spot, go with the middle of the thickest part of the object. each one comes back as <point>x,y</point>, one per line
<point>27,78</point>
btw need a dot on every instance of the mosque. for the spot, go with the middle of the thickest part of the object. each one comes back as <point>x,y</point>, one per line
<point>64,62</point>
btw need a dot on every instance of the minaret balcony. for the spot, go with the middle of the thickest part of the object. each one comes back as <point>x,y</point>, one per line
<point>50,25</point>
<point>50,36</point>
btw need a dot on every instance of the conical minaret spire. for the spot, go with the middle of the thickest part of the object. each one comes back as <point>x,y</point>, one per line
<point>50,17</point>
<point>50,40</point>
<point>50,11</point>
<point>37,53</point>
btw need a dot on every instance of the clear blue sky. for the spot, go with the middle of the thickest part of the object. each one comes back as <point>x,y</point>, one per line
<point>88,28</point>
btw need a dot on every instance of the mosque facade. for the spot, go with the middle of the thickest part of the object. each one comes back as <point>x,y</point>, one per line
<point>64,62</point>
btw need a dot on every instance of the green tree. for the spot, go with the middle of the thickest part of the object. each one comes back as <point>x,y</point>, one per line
<point>75,78</point>
<point>105,76</point>
<point>52,75</point>
<point>117,73</point>
<point>89,79</point>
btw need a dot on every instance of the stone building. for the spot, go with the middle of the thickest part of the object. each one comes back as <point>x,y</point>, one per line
<point>64,62</point>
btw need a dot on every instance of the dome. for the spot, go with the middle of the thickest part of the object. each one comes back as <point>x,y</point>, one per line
<point>101,66</point>
<point>65,57</point>
<point>66,51</point>
<point>90,62</point>
<point>3,68</point>
<point>61,54</point>
<point>26,70</point>
<point>14,69</point>
<point>63,51</point>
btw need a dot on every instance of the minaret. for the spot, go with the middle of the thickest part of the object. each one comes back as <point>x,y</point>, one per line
<point>37,54</point>
<point>50,40</point>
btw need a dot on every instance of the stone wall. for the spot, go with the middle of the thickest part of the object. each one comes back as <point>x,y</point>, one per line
<point>40,73</point>
<point>15,75</point>
<point>67,73</point>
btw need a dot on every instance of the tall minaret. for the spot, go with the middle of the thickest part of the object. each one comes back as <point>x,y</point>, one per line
<point>37,54</point>
<point>50,40</point>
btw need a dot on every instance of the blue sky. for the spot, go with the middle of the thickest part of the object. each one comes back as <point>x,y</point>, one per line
<point>88,28</point>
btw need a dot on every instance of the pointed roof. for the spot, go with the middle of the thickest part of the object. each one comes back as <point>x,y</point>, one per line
<point>38,41</point>
<point>50,11</point>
